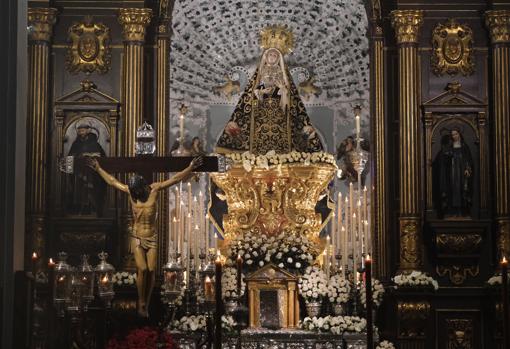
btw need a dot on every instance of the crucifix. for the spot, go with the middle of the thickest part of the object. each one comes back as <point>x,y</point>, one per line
<point>143,195</point>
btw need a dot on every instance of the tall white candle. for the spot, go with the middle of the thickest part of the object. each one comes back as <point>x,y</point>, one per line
<point>333,234</point>
<point>339,222</point>
<point>207,233</point>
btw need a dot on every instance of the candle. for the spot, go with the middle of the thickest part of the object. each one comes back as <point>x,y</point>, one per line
<point>239,262</point>
<point>208,289</point>
<point>354,241</point>
<point>190,203</point>
<point>339,220</point>
<point>333,235</point>
<point>345,254</point>
<point>369,302</point>
<point>326,262</point>
<point>34,258</point>
<point>504,281</point>
<point>182,109</point>
<point>219,303</point>
<point>200,216</point>
<point>197,259</point>
<point>51,281</point>
<point>206,232</point>
<point>357,126</point>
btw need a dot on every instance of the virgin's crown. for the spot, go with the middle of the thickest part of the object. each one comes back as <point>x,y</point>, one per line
<point>278,37</point>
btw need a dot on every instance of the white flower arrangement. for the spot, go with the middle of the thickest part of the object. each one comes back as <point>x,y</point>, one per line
<point>377,293</point>
<point>385,345</point>
<point>124,279</point>
<point>229,283</point>
<point>286,250</point>
<point>194,323</point>
<point>496,280</point>
<point>313,284</point>
<point>272,159</point>
<point>415,279</point>
<point>338,289</point>
<point>334,324</point>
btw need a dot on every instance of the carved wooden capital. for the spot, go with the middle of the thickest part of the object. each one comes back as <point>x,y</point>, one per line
<point>134,21</point>
<point>498,23</point>
<point>407,25</point>
<point>40,23</point>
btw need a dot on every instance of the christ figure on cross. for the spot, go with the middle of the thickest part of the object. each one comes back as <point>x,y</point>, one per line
<point>144,199</point>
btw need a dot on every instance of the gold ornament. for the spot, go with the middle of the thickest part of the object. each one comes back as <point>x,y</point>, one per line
<point>134,21</point>
<point>89,48</point>
<point>278,37</point>
<point>452,49</point>
<point>407,25</point>
<point>40,22</point>
<point>276,200</point>
<point>499,25</point>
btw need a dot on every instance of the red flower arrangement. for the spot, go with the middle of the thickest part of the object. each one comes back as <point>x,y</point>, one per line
<point>143,338</point>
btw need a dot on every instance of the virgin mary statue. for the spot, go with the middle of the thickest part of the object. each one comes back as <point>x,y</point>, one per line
<point>270,115</point>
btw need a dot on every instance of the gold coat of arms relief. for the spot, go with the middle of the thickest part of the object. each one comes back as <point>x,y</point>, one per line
<point>88,49</point>
<point>452,46</point>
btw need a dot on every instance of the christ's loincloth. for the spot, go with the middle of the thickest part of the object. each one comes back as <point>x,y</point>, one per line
<point>147,243</point>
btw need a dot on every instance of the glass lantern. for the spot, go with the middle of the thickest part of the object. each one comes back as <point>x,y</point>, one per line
<point>85,273</point>
<point>173,281</point>
<point>104,274</point>
<point>62,284</point>
<point>207,281</point>
<point>75,293</point>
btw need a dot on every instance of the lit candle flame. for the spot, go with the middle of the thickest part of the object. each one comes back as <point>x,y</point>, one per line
<point>34,255</point>
<point>104,280</point>
<point>368,258</point>
<point>51,263</point>
<point>504,260</point>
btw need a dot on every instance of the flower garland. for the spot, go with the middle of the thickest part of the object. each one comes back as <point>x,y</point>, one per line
<point>286,250</point>
<point>272,159</point>
<point>415,279</point>
<point>143,338</point>
<point>313,284</point>
<point>377,293</point>
<point>385,345</point>
<point>194,323</point>
<point>124,279</point>
<point>334,324</point>
<point>338,289</point>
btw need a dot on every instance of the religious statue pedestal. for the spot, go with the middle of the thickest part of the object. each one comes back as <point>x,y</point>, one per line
<point>279,199</point>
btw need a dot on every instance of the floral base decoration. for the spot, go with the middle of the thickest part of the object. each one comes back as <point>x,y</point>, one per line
<point>377,293</point>
<point>334,324</point>
<point>313,309</point>
<point>415,279</point>
<point>495,281</point>
<point>124,278</point>
<point>272,159</point>
<point>229,284</point>
<point>313,284</point>
<point>385,345</point>
<point>194,323</point>
<point>143,338</point>
<point>338,293</point>
<point>287,251</point>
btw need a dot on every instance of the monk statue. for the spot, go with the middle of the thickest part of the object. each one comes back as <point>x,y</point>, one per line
<point>144,198</point>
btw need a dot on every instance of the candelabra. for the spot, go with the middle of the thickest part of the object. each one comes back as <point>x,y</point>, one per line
<point>172,283</point>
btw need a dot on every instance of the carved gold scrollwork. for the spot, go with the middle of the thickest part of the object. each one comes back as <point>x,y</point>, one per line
<point>458,243</point>
<point>412,316</point>
<point>452,49</point>
<point>460,333</point>
<point>88,49</point>
<point>458,273</point>
<point>409,243</point>
<point>134,21</point>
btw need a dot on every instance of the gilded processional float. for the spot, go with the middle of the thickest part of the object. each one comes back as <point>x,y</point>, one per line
<point>270,207</point>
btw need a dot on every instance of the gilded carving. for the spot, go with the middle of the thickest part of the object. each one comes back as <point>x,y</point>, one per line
<point>88,49</point>
<point>457,273</point>
<point>410,255</point>
<point>452,49</point>
<point>270,201</point>
<point>498,23</point>
<point>412,316</point>
<point>407,25</point>
<point>134,21</point>
<point>460,333</point>
<point>40,23</point>
<point>458,243</point>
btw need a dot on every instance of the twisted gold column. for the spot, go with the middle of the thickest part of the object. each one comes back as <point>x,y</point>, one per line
<point>407,24</point>
<point>378,212</point>
<point>498,23</point>
<point>162,116</point>
<point>40,22</point>
<point>133,21</point>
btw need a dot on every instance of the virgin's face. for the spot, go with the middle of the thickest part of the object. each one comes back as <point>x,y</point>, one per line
<point>272,57</point>
<point>455,136</point>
